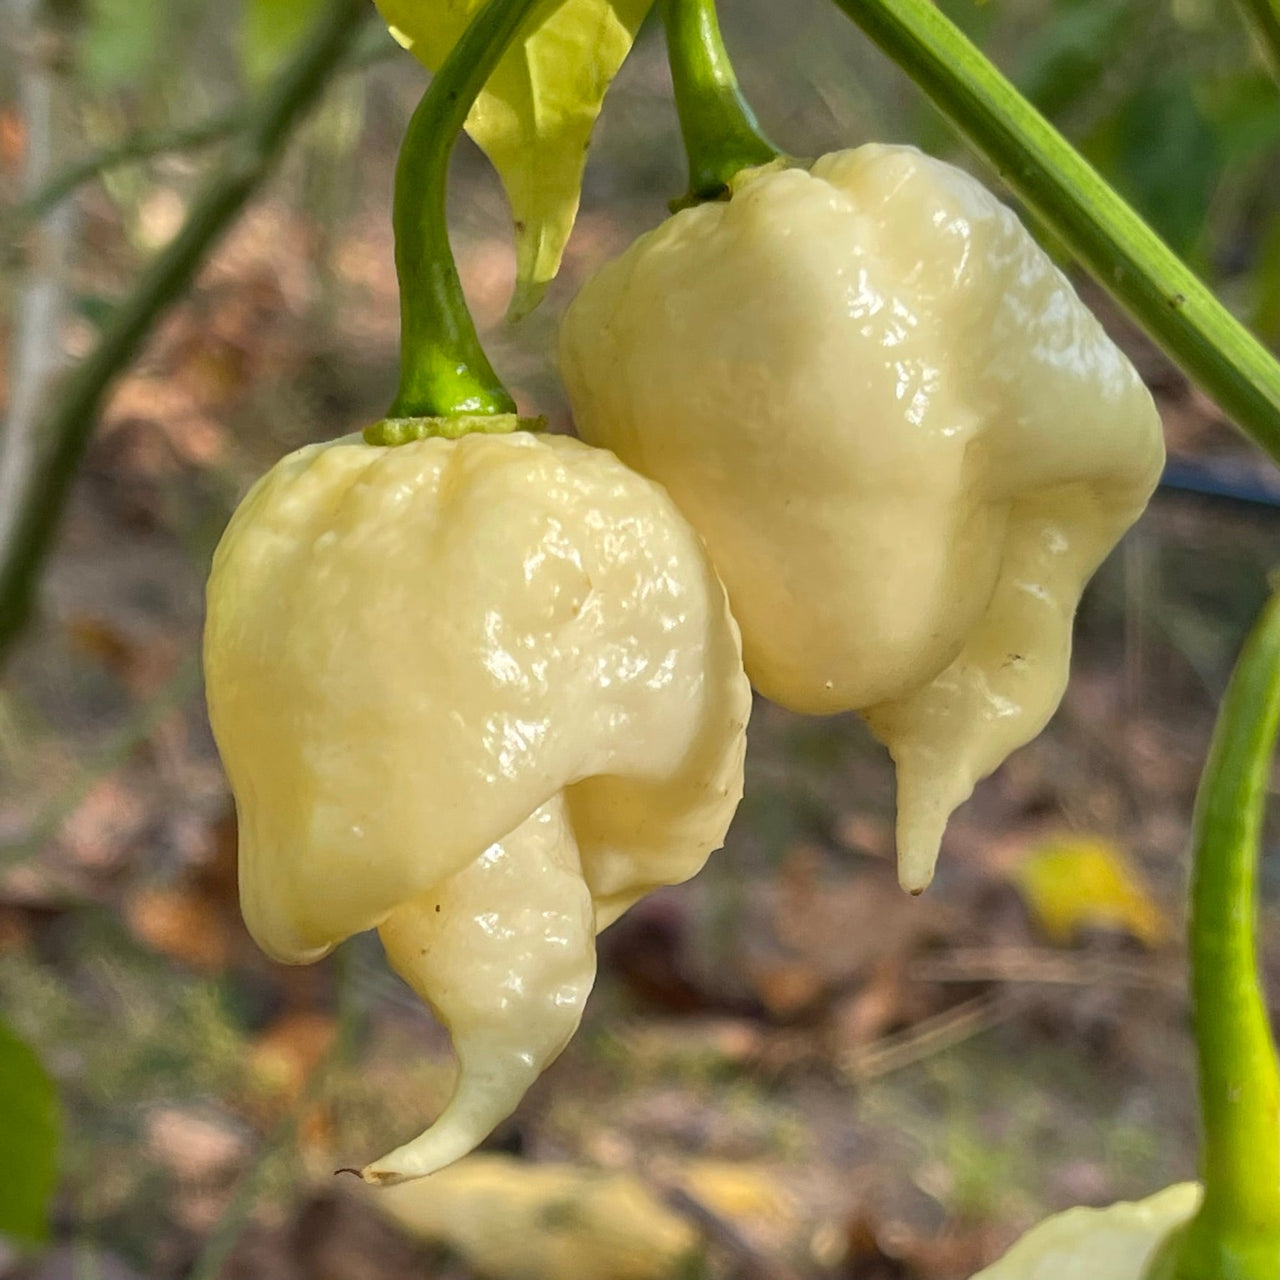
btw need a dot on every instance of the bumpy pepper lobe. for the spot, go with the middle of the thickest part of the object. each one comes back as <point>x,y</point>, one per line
<point>905,440</point>
<point>504,952</point>
<point>452,672</point>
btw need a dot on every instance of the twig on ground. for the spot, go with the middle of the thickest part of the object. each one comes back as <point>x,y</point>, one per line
<point>1038,965</point>
<point>747,1261</point>
<point>929,1037</point>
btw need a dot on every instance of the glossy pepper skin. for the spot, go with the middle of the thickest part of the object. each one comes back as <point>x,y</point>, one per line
<point>905,440</point>
<point>481,695</point>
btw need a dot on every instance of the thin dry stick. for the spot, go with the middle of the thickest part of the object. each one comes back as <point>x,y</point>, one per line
<point>137,147</point>
<point>1038,966</point>
<point>748,1262</point>
<point>929,1037</point>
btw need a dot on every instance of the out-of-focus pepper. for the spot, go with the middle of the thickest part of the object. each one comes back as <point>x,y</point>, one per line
<point>1115,1243</point>
<point>482,695</point>
<point>905,440</point>
<point>511,1219</point>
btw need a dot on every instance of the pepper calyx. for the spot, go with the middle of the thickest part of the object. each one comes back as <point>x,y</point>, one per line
<point>389,432</point>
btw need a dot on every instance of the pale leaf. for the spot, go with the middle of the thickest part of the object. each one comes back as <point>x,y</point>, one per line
<point>534,118</point>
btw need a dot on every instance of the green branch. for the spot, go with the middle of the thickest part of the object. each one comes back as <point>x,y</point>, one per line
<point>444,372</point>
<point>720,131</point>
<point>130,150</point>
<point>138,147</point>
<point>1236,1233</point>
<point>1125,256</point>
<point>71,419</point>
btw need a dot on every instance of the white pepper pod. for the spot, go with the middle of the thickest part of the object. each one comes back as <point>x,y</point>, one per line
<point>905,440</point>
<point>481,695</point>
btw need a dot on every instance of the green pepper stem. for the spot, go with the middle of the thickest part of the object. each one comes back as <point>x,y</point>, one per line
<point>1236,1233</point>
<point>443,368</point>
<point>721,134</point>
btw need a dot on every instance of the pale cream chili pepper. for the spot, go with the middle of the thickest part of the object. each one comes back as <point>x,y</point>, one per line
<point>1115,1243</point>
<point>905,440</point>
<point>481,695</point>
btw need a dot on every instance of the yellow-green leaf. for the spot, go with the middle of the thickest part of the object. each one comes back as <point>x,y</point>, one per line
<point>1077,883</point>
<point>534,118</point>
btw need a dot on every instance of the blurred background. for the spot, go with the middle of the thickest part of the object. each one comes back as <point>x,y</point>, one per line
<point>788,1070</point>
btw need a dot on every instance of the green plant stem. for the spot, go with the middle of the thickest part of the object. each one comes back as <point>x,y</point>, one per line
<point>145,146</point>
<point>721,134</point>
<point>444,372</point>
<point>1106,236</point>
<point>136,147</point>
<point>1263,20</point>
<point>1236,1233</point>
<point>69,424</point>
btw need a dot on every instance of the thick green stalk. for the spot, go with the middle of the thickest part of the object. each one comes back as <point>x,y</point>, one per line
<point>721,135</point>
<point>1236,1233</point>
<point>444,372</point>
<point>1109,239</point>
<point>74,414</point>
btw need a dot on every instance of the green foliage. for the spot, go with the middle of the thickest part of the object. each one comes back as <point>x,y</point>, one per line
<point>1265,300</point>
<point>1170,103</point>
<point>121,41</point>
<point>28,1139</point>
<point>1165,156</point>
<point>270,29</point>
<point>1069,55</point>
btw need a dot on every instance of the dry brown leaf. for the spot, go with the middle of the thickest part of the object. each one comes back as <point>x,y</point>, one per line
<point>181,924</point>
<point>787,987</point>
<point>865,833</point>
<point>283,1057</point>
<point>104,827</point>
<point>15,931</point>
<point>844,925</point>
<point>143,664</point>
<point>13,139</point>
<point>194,1147</point>
<point>512,1220</point>
<point>883,1003</point>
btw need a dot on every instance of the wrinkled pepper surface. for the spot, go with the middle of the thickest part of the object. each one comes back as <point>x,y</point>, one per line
<point>481,695</point>
<point>905,440</point>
